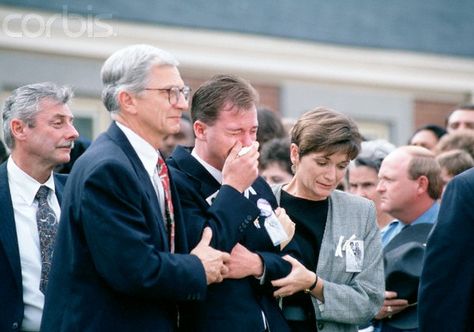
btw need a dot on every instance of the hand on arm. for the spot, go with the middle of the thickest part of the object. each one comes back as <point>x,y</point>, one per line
<point>213,260</point>
<point>240,172</point>
<point>391,305</point>
<point>243,263</point>
<point>300,278</point>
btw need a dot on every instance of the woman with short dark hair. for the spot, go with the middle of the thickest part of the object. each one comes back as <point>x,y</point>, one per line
<point>340,283</point>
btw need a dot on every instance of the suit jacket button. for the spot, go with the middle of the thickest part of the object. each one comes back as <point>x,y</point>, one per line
<point>320,326</point>
<point>15,326</point>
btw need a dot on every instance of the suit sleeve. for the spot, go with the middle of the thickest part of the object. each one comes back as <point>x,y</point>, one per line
<point>446,298</point>
<point>126,246</point>
<point>229,215</point>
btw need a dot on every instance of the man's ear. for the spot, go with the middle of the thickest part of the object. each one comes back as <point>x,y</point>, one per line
<point>17,128</point>
<point>423,184</point>
<point>127,102</point>
<point>200,130</point>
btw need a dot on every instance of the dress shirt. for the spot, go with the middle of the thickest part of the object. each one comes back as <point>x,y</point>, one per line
<point>389,231</point>
<point>23,189</point>
<point>216,174</point>
<point>149,158</point>
<point>428,217</point>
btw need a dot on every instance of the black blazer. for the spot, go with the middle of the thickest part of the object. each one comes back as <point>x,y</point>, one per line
<point>446,297</point>
<point>233,305</point>
<point>11,289</point>
<point>112,269</point>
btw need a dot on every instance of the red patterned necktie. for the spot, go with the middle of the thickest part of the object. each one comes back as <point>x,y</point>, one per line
<point>169,211</point>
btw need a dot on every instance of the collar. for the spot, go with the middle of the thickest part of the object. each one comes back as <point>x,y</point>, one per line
<point>145,151</point>
<point>429,216</point>
<point>25,185</point>
<point>216,174</point>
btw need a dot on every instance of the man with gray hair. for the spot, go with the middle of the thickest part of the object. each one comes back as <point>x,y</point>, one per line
<point>362,176</point>
<point>122,261</point>
<point>38,129</point>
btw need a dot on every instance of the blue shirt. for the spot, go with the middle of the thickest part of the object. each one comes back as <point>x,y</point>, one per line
<point>428,217</point>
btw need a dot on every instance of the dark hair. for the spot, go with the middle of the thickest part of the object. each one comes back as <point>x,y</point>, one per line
<point>269,126</point>
<point>325,130</point>
<point>276,150</point>
<point>435,129</point>
<point>219,92</point>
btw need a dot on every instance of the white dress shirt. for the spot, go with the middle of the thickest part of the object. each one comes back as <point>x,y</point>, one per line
<point>217,174</point>
<point>23,189</point>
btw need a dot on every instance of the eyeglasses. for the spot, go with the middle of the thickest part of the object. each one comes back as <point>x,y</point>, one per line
<point>174,93</point>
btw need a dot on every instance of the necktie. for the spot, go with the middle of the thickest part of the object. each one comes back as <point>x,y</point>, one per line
<point>47,227</point>
<point>169,211</point>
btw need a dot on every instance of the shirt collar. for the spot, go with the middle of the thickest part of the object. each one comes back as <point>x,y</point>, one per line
<point>145,151</point>
<point>429,216</point>
<point>216,174</point>
<point>25,185</point>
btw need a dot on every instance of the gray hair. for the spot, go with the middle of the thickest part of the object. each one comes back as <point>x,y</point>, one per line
<point>128,69</point>
<point>371,155</point>
<point>24,104</point>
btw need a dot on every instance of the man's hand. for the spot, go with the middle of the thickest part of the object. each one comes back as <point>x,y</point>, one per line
<point>243,263</point>
<point>240,172</point>
<point>213,260</point>
<point>288,225</point>
<point>391,305</point>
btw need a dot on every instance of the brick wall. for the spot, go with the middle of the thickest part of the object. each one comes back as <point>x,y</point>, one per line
<point>431,112</point>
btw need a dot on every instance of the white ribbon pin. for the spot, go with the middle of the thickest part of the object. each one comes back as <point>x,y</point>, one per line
<point>340,247</point>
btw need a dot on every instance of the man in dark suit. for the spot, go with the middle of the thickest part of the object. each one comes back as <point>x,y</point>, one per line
<point>446,298</point>
<point>121,260</point>
<point>219,187</point>
<point>38,129</point>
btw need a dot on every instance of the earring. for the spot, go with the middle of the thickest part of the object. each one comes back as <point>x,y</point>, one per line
<point>293,168</point>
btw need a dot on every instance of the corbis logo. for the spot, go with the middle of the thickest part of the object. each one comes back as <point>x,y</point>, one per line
<point>31,25</point>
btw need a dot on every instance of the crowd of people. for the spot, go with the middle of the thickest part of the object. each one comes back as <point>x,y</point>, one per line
<point>225,219</point>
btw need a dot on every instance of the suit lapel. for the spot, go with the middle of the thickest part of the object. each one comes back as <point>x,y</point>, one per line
<point>8,238</point>
<point>121,140</point>
<point>189,165</point>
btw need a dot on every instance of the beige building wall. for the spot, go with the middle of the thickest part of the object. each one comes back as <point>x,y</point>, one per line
<point>389,93</point>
